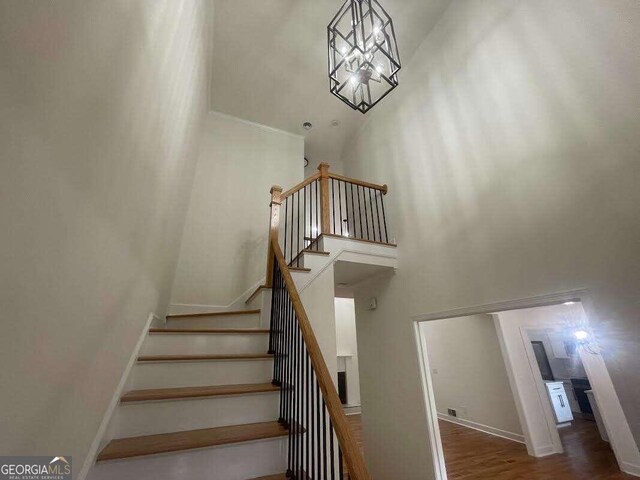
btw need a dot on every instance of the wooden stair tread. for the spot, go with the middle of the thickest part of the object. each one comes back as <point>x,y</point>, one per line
<point>279,476</point>
<point>210,330</point>
<point>190,439</point>
<point>182,358</point>
<point>196,392</point>
<point>177,316</point>
<point>299,269</point>
<point>316,252</point>
<point>353,239</point>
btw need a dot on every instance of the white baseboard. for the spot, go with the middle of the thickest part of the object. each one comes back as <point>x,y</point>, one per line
<point>514,437</point>
<point>630,468</point>
<point>95,444</point>
<point>544,451</point>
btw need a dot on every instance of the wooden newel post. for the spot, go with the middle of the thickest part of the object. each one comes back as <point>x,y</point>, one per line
<point>274,227</point>
<point>325,218</point>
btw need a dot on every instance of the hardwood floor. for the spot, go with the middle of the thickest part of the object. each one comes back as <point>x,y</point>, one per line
<point>355,422</point>
<point>470,454</point>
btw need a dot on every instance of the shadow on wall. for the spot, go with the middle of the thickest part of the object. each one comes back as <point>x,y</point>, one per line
<point>510,150</point>
<point>251,260</point>
<point>98,157</point>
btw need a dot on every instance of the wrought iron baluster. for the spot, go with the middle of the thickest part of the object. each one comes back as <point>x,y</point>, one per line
<point>333,204</point>
<point>340,182</point>
<point>359,209</point>
<point>286,216</point>
<point>373,225</point>
<point>366,216</point>
<point>384,218</point>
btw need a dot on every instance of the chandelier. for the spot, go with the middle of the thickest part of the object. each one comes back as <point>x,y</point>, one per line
<point>363,54</point>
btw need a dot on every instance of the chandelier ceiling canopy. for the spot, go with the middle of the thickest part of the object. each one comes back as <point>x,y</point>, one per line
<point>363,54</point>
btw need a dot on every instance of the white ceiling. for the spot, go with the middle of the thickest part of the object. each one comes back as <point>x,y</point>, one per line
<point>270,64</point>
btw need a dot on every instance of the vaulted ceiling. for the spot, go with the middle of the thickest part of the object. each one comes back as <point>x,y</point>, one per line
<point>270,64</point>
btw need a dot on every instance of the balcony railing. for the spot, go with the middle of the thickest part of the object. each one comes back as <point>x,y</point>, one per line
<point>326,204</point>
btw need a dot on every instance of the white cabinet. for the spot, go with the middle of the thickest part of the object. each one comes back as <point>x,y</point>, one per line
<point>559,402</point>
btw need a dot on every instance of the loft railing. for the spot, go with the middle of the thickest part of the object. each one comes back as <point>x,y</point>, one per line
<point>326,204</point>
<point>321,445</point>
<point>357,209</point>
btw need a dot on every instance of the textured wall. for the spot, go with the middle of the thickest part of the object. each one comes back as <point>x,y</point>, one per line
<point>101,105</point>
<point>224,249</point>
<point>511,153</point>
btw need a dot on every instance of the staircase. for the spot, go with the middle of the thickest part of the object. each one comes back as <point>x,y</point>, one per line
<point>246,394</point>
<point>201,404</point>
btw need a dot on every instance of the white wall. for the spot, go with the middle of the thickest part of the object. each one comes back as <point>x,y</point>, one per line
<point>468,372</point>
<point>511,154</point>
<point>224,249</point>
<point>101,106</point>
<point>318,301</point>
<point>347,344</point>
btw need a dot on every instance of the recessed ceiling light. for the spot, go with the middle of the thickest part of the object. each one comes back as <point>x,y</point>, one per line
<point>335,123</point>
<point>307,125</point>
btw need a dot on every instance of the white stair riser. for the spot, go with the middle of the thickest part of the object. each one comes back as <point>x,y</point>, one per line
<point>218,321</point>
<point>194,374</point>
<point>262,301</point>
<point>230,462</point>
<point>314,261</point>
<point>148,418</point>
<point>300,278</point>
<point>187,344</point>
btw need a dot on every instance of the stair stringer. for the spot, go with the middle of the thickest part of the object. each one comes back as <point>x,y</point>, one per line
<point>344,250</point>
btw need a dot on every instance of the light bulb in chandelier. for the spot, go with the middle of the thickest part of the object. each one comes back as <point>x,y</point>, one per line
<point>363,71</point>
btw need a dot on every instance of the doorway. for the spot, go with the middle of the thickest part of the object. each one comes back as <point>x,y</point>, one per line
<point>347,352</point>
<point>534,408</point>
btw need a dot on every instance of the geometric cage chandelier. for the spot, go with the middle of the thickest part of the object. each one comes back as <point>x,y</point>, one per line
<point>363,54</point>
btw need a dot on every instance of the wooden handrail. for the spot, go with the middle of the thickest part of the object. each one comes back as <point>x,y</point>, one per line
<point>382,188</point>
<point>300,186</point>
<point>350,450</point>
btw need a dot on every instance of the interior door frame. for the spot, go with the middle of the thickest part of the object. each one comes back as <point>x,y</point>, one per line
<point>622,441</point>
